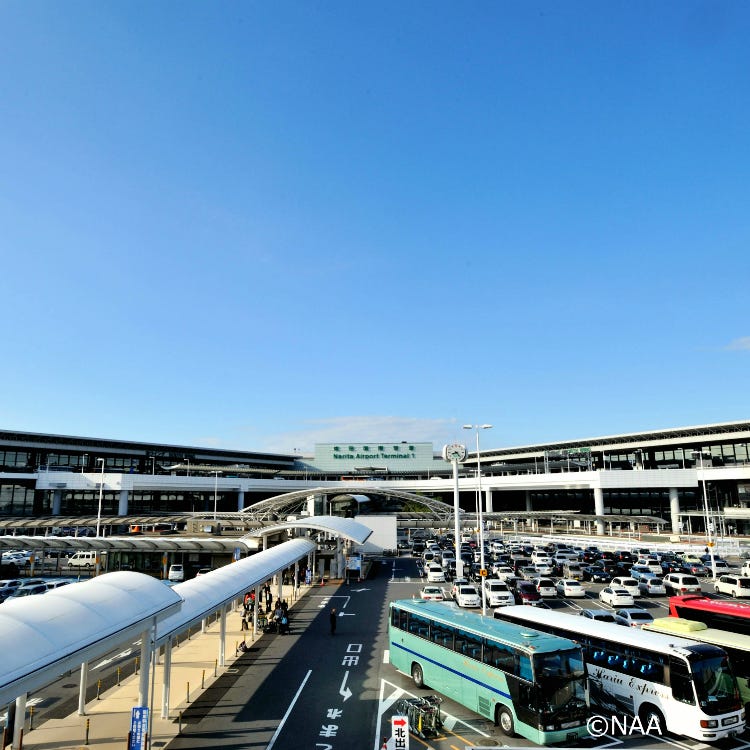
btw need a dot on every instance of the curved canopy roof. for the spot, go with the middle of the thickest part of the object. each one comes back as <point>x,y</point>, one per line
<point>294,502</point>
<point>207,593</point>
<point>346,527</point>
<point>44,636</point>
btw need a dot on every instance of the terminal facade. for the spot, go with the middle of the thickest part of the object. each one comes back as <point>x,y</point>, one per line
<point>688,477</point>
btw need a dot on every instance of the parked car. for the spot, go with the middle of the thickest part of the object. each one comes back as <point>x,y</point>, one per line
<point>467,596</point>
<point>616,597</point>
<point>628,583</point>
<point>649,562</point>
<point>8,586</point>
<point>33,590</point>
<point>595,574</point>
<point>633,617</point>
<point>497,593</point>
<point>653,586</point>
<point>720,568</point>
<point>432,593</point>
<point>435,574</point>
<point>526,593</point>
<point>570,588</point>
<point>678,584</point>
<point>457,583</point>
<point>176,573</point>
<point>694,569</point>
<point>642,571</point>
<point>601,615</point>
<point>545,587</point>
<point>734,585</point>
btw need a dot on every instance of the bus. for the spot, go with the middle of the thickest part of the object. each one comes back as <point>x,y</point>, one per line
<point>736,645</point>
<point>527,682</point>
<point>725,614</point>
<point>670,684</point>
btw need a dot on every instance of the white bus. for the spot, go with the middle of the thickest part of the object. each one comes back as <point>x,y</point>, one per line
<point>667,682</point>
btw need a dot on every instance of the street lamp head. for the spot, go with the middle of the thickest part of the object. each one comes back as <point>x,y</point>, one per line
<point>486,426</point>
<point>468,427</point>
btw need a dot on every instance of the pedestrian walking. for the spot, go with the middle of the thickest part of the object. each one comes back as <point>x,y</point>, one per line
<point>333,621</point>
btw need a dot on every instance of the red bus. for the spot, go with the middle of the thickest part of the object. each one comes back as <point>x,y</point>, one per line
<point>723,614</point>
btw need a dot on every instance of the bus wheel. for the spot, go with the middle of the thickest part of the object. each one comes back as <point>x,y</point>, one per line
<point>417,675</point>
<point>504,719</point>
<point>651,718</point>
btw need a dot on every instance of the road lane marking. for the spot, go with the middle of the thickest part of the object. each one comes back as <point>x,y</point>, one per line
<point>288,711</point>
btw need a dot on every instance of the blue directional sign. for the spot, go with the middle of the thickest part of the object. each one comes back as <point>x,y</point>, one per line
<point>138,728</point>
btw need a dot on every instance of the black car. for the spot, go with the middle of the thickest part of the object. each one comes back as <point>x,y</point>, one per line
<point>596,574</point>
<point>670,566</point>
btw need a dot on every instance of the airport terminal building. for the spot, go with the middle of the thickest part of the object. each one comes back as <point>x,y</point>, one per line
<point>687,477</point>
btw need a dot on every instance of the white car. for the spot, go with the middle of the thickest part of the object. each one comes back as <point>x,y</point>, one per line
<point>544,569</point>
<point>504,572</point>
<point>651,564</point>
<point>432,593</point>
<point>466,596</point>
<point>570,588</point>
<point>628,583</point>
<point>616,597</point>
<point>652,586</point>
<point>457,583</point>
<point>545,587</point>
<point>497,593</point>
<point>435,574</point>
<point>734,585</point>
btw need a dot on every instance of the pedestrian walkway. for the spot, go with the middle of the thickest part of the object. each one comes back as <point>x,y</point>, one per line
<point>194,669</point>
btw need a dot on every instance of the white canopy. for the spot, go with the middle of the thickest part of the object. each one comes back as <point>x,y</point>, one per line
<point>346,527</point>
<point>44,636</point>
<point>207,593</point>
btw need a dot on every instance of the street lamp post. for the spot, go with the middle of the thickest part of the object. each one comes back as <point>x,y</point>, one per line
<point>101,495</point>
<point>710,544</point>
<point>478,427</point>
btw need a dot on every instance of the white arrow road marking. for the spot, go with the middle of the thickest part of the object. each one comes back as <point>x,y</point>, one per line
<point>359,591</point>
<point>344,690</point>
<point>121,655</point>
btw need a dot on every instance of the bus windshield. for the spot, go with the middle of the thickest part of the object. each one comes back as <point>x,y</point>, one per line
<point>561,680</point>
<point>715,685</point>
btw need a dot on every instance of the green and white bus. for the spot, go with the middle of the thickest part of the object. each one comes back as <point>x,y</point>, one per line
<point>669,683</point>
<point>737,646</point>
<point>529,683</point>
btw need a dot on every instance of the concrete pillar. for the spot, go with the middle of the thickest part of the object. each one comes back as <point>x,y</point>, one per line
<point>222,635</point>
<point>167,680</point>
<point>240,500</point>
<point>20,720</point>
<point>145,667</point>
<point>84,681</point>
<point>56,502</point>
<point>122,510</point>
<point>674,509</point>
<point>529,506</point>
<point>488,501</point>
<point>599,510</point>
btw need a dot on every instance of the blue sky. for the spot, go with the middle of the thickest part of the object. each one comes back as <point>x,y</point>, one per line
<point>265,225</point>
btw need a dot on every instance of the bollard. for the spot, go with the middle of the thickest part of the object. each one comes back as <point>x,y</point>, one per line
<point>136,665</point>
<point>187,696</point>
<point>203,679</point>
<point>88,724</point>
<point>98,689</point>
<point>188,633</point>
<point>216,666</point>
<point>179,723</point>
<point>118,676</point>
<point>31,718</point>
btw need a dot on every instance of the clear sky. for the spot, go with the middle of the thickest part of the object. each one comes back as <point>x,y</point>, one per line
<point>261,225</point>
